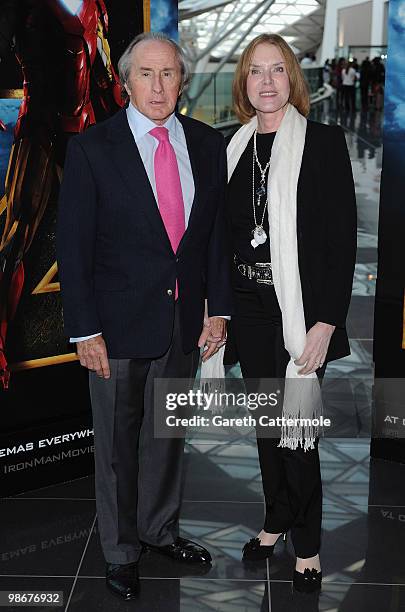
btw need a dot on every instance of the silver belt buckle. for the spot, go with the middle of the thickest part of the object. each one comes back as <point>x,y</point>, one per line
<point>266,267</point>
<point>256,271</point>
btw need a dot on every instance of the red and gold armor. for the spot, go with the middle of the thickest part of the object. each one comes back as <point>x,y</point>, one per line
<point>69,83</point>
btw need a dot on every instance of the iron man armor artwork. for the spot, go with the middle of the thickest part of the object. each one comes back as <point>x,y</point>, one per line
<point>69,83</point>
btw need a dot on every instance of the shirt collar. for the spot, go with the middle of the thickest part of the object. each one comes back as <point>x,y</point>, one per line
<point>141,125</point>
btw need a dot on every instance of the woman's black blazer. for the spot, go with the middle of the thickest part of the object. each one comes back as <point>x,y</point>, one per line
<point>326,231</point>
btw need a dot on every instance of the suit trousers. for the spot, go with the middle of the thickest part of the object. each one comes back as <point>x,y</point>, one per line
<point>139,477</point>
<point>291,478</point>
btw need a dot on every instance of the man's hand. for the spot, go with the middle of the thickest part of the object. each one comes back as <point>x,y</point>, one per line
<point>93,355</point>
<point>316,347</point>
<point>213,335</point>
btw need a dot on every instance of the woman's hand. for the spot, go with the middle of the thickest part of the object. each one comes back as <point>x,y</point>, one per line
<point>213,336</point>
<point>316,347</point>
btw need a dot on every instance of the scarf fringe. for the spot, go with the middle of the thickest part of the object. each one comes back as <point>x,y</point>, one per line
<point>292,441</point>
<point>292,437</point>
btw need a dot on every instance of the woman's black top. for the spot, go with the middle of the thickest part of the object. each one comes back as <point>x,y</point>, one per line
<point>240,208</point>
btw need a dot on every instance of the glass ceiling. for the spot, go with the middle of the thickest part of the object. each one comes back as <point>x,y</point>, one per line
<point>208,19</point>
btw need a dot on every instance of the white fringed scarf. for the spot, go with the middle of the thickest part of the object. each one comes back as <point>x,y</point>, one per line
<point>302,393</point>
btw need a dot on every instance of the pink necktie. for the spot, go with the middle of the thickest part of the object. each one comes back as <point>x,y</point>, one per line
<point>168,188</point>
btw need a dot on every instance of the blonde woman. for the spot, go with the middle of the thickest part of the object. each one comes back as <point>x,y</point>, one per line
<point>292,217</point>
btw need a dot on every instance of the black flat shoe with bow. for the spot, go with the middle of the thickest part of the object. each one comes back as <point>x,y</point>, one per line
<point>255,551</point>
<point>307,582</point>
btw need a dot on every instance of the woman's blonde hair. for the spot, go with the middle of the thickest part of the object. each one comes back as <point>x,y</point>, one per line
<point>299,94</point>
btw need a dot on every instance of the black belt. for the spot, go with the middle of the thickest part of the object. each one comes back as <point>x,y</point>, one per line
<point>260,272</point>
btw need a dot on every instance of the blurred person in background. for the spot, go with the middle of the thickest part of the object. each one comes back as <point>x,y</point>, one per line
<point>365,79</point>
<point>377,82</point>
<point>338,82</point>
<point>326,72</point>
<point>349,86</point>
<point>306,60</point>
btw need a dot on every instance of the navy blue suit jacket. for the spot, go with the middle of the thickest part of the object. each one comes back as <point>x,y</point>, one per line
<point>116,265</point>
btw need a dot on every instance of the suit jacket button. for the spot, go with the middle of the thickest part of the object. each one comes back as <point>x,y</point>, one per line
<point>169,292</point>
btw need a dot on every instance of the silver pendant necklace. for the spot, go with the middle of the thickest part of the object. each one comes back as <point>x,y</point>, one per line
<point>259,235</point>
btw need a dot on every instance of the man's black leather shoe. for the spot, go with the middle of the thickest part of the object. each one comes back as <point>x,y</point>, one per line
<point>184,550</point>
<point>123,580</point>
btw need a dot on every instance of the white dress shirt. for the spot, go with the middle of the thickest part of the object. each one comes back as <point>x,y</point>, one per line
<point>140,126</point>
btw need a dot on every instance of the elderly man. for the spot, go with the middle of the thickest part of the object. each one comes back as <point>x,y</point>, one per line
<point>141,245</point>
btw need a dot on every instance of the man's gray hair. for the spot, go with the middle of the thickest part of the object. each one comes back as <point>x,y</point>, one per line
<point>124,63</point>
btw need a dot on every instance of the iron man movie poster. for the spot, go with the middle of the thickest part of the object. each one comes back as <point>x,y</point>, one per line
<point>58,76</point>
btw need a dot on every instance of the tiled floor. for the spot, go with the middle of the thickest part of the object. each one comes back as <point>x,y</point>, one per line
<point>50,538</point>
<point>51,541</point>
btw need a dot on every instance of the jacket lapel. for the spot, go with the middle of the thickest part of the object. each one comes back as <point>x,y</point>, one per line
<point>125,155</point>
<point>193,146</point>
